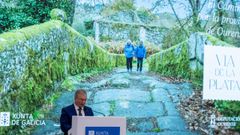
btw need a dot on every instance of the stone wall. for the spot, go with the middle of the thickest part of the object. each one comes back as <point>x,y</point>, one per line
<point>120,31</point>
<point>184,60</point>
<point>35,58</point>
<point>156,34</point>
<point>171,62</point>
<point>196,44</point>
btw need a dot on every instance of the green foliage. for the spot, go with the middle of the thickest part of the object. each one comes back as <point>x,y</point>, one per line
<point>119,26</point>
<point>216,41</point>
<point>58,14</point>
<point>171,62</point>
<point>1,88</point>
<point>68,83</point>
<point>88,24</point>
<point>118,46</point>
<point>157,130</point>
<point>79,27</point>
<point>50,100</point>
<point>120,5</point>
<point>229,109</point>
<point>66,5</point>
<point>14,18</point>
<point>36,88</point>
<point>112,107</point>
<point>105,38</point>
<point>173,37</point>
<point>197,78</point>
<point>134,34</point>
<point>145,15</point>
<point>89,31</point>
<point>29,12</point>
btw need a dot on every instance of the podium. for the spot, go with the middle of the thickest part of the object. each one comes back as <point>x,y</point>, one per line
<point>89,125</point>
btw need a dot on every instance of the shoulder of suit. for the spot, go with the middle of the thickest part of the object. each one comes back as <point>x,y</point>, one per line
<point>87,107</point>
<point>68,107</point>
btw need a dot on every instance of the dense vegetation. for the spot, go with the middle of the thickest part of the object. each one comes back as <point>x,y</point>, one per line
<point>22,13</point>
<point>40,80</point>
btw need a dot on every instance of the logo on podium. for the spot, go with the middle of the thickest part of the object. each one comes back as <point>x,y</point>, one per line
<point>102,131</point>
<point>91,132</point>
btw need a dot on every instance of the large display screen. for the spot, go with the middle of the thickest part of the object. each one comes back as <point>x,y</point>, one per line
<point>168,66</point>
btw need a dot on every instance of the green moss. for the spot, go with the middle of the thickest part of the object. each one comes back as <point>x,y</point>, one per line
<point>229,109</point>
<point>1,88</point>
<point>9,39</point>
<point>67,84</point>
<point>105,38</point>
<point>197,78</point>
<point>215,41</point>
<point>36,87</point>
<point>44,28</point>
<point>112,107</point>
<point>171,62</point>
<point>53,98</point>
<point>58,14</point>
<point>119,26</point>
<point>120,5</point>
<point>168,63</point>
<point>157,130</point>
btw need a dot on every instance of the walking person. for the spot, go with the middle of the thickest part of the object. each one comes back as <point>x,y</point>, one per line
<point>129,53</point>
<point>140,53</point>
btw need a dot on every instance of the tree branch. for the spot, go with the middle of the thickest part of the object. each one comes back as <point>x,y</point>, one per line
<point>177,18</point>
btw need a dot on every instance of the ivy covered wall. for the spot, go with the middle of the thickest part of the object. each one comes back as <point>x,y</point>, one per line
<point>34,59</point>
<point>171,62</point>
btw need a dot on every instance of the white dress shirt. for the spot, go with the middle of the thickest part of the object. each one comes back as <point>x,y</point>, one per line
<point>76,109</point>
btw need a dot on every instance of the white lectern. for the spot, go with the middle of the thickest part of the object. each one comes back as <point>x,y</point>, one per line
<point>88,125</point>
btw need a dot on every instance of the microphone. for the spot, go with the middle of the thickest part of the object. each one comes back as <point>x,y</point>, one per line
<point>99,113</point>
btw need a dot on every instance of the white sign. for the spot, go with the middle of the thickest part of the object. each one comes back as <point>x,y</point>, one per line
<point>81,123</point>
<point>221,73</point>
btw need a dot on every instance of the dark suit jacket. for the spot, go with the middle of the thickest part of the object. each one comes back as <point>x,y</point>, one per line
<point>66,116</point>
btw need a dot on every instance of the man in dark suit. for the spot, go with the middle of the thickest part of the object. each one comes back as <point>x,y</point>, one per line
<point>77,108</point>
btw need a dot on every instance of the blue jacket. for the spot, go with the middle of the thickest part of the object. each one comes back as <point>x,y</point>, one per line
<point>66,117</point>
<point>140,52</point>
<point>129,50</point>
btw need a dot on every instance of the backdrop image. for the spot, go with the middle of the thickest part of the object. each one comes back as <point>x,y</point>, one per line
<point>167,66</point>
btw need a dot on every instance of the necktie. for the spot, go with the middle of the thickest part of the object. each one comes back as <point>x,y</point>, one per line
<point>79,111</point>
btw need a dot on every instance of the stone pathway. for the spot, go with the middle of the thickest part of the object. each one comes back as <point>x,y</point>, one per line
<point>148,103</point>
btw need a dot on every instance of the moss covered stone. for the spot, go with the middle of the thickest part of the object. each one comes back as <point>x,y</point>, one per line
<point>58,14</point>
<point>171,62</point>
<point>36,58</point>
<point>185,60</point>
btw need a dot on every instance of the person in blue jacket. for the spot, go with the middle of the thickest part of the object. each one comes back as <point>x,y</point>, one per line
<point>77,108</point>
<point>140,54</point>
<point>129,53</point>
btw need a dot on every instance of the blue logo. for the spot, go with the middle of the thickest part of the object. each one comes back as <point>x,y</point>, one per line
<point>102,131</point>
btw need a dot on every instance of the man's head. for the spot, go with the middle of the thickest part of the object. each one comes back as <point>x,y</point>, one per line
<point>129,41</point>
<point>80,97</point>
